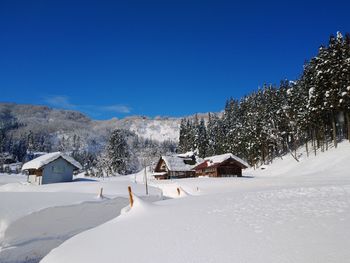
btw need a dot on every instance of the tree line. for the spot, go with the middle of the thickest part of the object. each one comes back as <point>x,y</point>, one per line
<point>313,111</point>
<point>126,153</point>
<point>119,152</point>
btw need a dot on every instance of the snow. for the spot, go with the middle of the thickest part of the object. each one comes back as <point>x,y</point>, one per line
<point>140,176</point>
<point>30,215</point>
<point>48,158</point>
<point>50,227</point>
<point>186,155</point>
<point>311,92</point>
<point>339,35</point>
<point>290,212</point>
<point>223,157</point>
<point>11,178</point>
<point>157,129</point>
<point>175,163</point>
<point>17,204</point>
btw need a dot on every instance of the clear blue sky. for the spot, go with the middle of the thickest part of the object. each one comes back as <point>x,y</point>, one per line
<point>174,58</point>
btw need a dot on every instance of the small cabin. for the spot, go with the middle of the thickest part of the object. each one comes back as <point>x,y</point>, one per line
<point>176,166</point>
<point>51,168</point>
<point>225,165</point>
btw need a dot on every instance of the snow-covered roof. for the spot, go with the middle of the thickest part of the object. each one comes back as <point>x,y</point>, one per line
<point>48,158</point>
<point>186,155</point>
<point>213,160</point>
<point>158,173</point>
<point>177,164</point>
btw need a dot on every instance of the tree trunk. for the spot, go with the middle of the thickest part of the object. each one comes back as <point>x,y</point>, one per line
<point>291,153</point>
<point>318,141</point>
<point>263,153</point>
<point>307,148</point>
<point>295,147</point>
<point>313,139</point>
<point>322,138</point>
<point>347,114</point>
<point>334,131</point>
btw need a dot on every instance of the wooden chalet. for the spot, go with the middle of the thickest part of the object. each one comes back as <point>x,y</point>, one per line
<point>175,166</point>
<point>224,165</point>
<point>51,168</point>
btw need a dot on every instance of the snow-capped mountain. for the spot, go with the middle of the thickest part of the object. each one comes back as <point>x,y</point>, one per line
<point>58,123</point>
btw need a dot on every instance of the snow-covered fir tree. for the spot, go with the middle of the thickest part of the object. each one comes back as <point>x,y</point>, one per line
<point>117,153</point>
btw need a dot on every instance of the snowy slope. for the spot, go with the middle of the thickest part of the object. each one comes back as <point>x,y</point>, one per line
<point>157,129</point>
<point>290,212</point>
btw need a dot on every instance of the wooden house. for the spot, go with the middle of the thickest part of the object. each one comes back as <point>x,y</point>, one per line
<point>224,165</point>
<point>51,168</point>
<point>176,166</point>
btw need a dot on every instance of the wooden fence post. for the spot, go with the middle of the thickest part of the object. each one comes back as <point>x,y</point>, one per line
<point>130,196</point>
<point>100,193</point>
<point>178,191</point>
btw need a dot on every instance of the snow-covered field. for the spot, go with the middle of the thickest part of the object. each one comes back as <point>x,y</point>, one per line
<point>34,219</point>
<point>13,178</point>
<point>290,212</point>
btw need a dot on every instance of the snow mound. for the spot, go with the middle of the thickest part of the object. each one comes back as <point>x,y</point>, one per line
<point>139,205</point>
<point>139,177</point>
<point>171,189</point>
<point>3,227</point>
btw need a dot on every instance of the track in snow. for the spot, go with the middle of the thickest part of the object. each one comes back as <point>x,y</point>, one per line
<point>31,237</point>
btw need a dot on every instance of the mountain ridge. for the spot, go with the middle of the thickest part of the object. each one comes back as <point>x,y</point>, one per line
<point>37,118</point>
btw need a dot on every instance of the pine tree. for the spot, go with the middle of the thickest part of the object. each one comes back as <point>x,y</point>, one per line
<point>202,139</point>
<point>117,153</point>
<point>213,135</point>
<point>183,136</point>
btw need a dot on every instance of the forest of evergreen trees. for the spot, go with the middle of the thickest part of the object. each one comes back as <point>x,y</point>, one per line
<point>313,111</point>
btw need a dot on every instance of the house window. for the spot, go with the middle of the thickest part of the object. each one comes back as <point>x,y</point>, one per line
<point>58,169</point>
<point>210,170</point>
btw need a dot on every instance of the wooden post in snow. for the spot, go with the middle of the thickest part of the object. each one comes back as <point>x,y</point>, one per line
<point>100,193</point>
<point>145,178</point>
<point>178,191</point>
<point>131,198</point>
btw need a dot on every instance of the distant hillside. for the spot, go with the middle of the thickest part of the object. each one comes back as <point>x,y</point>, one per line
<point>56,121</point>
<point>26,129</point>
<point>60,122</point>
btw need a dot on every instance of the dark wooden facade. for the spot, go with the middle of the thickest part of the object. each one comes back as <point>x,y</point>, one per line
<point>229,167</point>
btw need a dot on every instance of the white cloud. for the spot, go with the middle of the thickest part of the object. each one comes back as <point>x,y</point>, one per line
<point>60,102</point>
<point>64,102</point>
<point>117,108</point>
